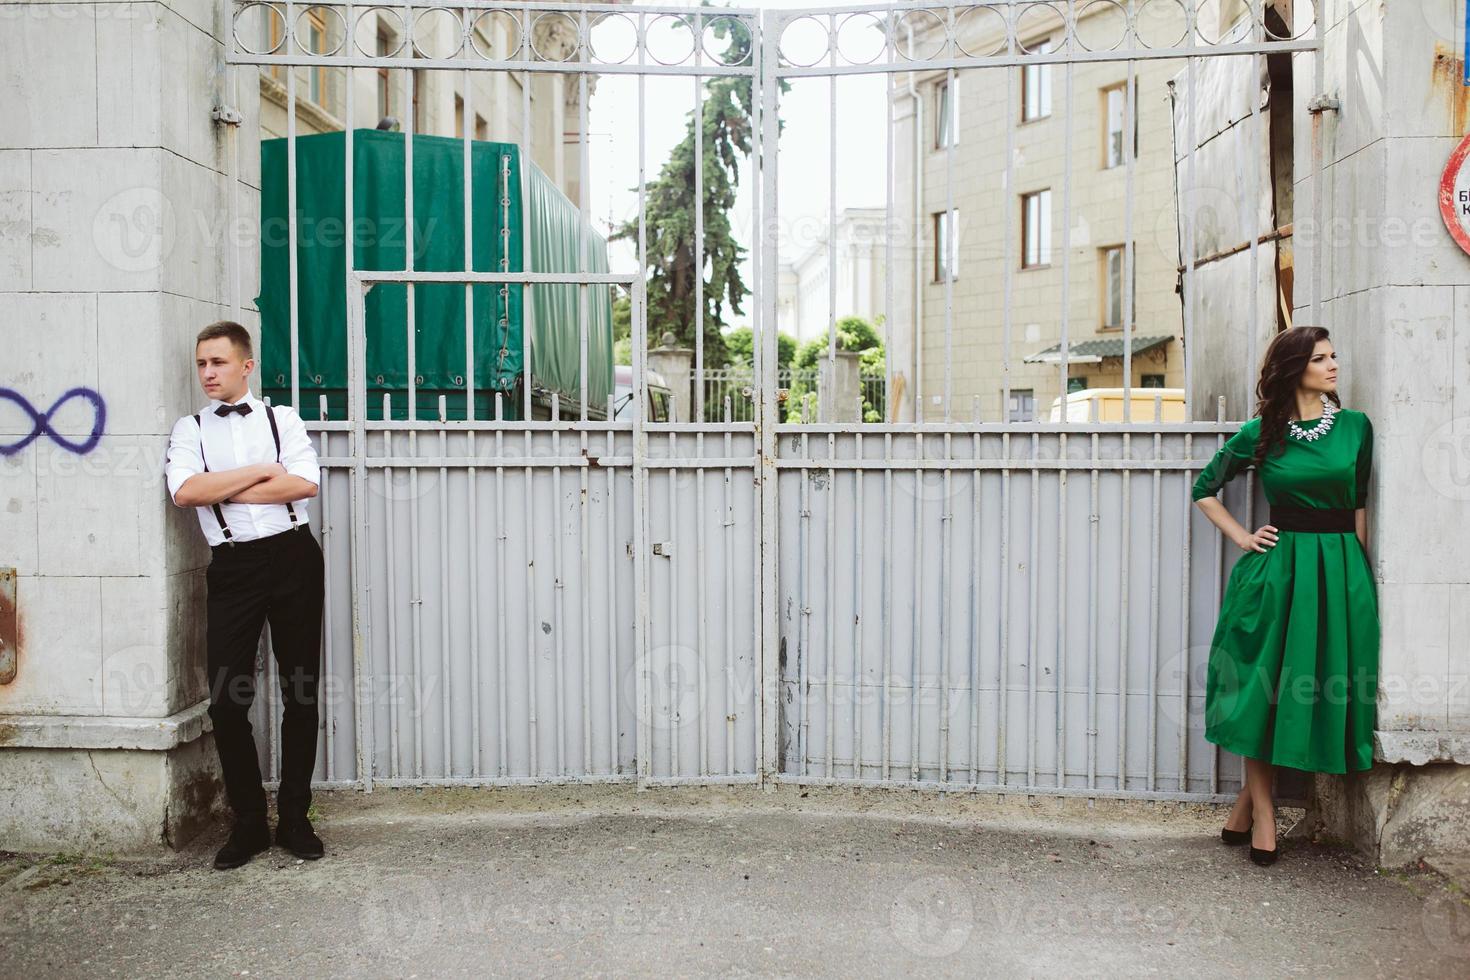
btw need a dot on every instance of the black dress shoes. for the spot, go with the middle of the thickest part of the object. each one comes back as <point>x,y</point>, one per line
<point>295,835</point>
<point>1262,856</point>
<point>1235,836</point>
<point>247,839</point>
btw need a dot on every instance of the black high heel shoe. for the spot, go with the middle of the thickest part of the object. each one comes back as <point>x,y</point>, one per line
<point>1234,837</point>
<point>1264,857</point>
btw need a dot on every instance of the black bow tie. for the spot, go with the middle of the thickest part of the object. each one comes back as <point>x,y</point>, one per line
<point>224,410</point>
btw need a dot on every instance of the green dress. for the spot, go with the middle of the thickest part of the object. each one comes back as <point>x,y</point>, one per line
<point>1293,669</point>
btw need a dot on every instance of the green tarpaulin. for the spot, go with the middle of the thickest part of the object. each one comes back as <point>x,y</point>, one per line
<point>380,243</point>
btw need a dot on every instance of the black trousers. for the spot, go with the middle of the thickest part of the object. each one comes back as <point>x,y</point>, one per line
<point>276,579</point>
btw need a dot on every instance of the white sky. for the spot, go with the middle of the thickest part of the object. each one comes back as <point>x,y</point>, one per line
<point>804,188</point>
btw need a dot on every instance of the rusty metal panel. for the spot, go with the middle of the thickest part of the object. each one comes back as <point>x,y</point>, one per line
<point>9,627</point>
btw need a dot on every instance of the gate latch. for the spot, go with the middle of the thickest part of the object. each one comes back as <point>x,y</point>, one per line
<point>664,548</point>
<point>9,634</point>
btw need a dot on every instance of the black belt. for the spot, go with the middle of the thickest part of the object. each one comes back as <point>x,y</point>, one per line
<point>1325,520</point>
<point>236,546</point>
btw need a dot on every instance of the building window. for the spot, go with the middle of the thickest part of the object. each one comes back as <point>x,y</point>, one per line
<point>1035,229</point>
<point>316,42</point>
<point>1022,407</point>
<point>1076,383</point>
<point>946,113</point>
<point>1114,99</point>
<point>1152,381</point>
<point>946,246</point>
<point>1036,87</point>
<point>1112,259</point>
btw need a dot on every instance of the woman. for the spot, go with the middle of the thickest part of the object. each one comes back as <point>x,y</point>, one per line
<point>1293,670</point>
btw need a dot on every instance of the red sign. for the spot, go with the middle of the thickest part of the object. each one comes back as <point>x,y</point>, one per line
<point>1454,195</point>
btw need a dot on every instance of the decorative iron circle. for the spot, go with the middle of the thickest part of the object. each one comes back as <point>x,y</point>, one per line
<point>549,24</point>
<point>375,13</point>
<point>603,41</point>
<point>927,27</point>
<point>419,24</point>
<point>341,34</point>
<point>272,11</point>
<point>1047,19</point>
<point>666,29</point>
<point>1309,23</point>
<point>987,26</point>
<point>733,27</point>
<point>810,38</point>
<point>495,18</point>
<point>859,32</point>
<point>1153,22</point>
<point>1094,14</point>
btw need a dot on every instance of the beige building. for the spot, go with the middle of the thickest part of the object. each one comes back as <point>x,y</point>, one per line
<point>436,103</point>
<point>805,305</point>
<point>959,263</point>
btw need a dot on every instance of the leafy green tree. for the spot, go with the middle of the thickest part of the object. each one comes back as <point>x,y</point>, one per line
<point>853,334</point>
<point>669,217</point>
<point>740,346</point>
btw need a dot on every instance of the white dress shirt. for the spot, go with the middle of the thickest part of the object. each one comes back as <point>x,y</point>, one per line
<point>241,440</point>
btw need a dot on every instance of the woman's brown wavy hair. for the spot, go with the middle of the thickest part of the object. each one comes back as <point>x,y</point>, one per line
<point>1282,368</point>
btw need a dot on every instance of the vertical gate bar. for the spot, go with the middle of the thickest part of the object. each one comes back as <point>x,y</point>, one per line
<point>886,414</point>
<point>885,713</point>
<point>558,589</point>
<point>528,311</point>
<point>1010,202</point>
<point>946,553</point>
<point>613,626</point>
<point>289,35</point>
<point>919,148</point>
<point>501,640</point>
<point>698,226</point>
<point>390,573</point>
<point>359,551</point>
<point>416,606</point>
<point>829,619</point>
<point>445,669</point>
<point>1033,587</point>
<point>1186,558</point>
<point>952,225</point>
<point>1066,351</point>
<point>236,287</point>
<point>1061,648</point>
<point>915,678</point>
<point>1217,564</point>
<point>973,643</point>
<point>641,645</point>
<point>855,687</point>
<point>410,318</point>
<point>769,634</point>
<point>1129,165</point>
<point>1318,198</point>
<point>1093,606</point>
<point>825,408</point>
<point>329,699</point>
<point>803,606</point>
<point>1003,669</point>
<point>584,207</point>
<point>671,648</point>
<point>529,523</point>
<point>584,604</point>
<point>1253,194</point>
<point>1154,603</point>
<point>469,402</point>
<point>1125,547</point>
<point>728,508</point>
<point>702,608</point>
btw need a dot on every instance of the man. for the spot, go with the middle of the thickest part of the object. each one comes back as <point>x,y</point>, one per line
<point>248,470</point>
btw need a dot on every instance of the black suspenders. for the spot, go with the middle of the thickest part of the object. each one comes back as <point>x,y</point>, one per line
<point>218,514</point>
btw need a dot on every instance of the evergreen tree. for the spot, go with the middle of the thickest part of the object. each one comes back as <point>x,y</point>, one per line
<point>669,219</point>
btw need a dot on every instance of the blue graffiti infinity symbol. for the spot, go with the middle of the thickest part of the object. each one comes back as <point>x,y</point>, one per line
<point>41,421</point>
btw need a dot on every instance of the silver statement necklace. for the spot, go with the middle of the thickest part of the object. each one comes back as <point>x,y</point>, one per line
<point>1320,429</point>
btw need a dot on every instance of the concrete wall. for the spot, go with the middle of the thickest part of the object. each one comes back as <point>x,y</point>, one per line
<point>114,250</point>
<point>1397,299</point>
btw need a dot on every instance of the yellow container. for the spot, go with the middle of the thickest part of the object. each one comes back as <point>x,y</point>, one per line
<point>1106,405</point>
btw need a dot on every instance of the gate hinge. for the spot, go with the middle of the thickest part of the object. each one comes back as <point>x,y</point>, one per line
<point>226,115</point>
<point>1324,103</point>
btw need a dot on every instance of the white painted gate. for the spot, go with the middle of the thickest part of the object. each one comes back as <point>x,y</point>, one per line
<point>948,603</point>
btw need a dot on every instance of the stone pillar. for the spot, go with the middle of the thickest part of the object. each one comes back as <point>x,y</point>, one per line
<point>676,364</point>
<point>838,393</point>
<point>1397,300</point>
<point>115,195</point>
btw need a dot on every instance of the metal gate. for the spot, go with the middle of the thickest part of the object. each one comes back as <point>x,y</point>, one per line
<point>946,602</point>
